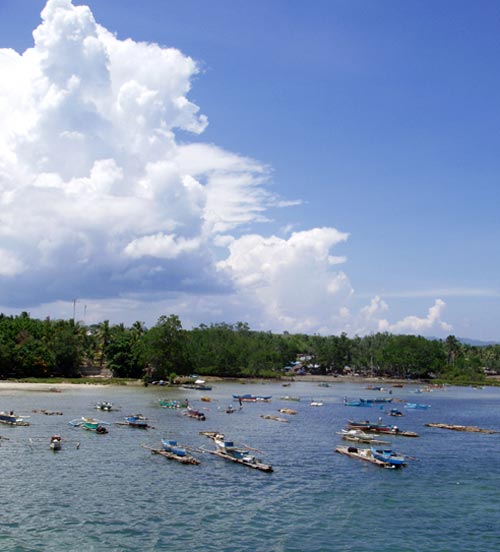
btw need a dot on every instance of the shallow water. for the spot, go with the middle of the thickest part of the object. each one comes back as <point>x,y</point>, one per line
<point>111,494</point>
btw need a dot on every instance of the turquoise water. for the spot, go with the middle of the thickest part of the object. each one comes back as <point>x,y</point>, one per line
<point>111,494</point>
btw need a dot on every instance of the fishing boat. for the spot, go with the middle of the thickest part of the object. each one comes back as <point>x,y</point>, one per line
<point>356,403</point>
<point>377,427</point>
<point>253,398</point>
<point>366,455</point>
<point>388,455</point>
<point>395,412</point>
<point>90,424</point>
<point>172,451</point>
<point>135,421</point>
<point>199,385</point>
<point>105,406</point>
<point>417,406</point>
<point>55,442</point>
<point>358,436</point>
<point>381,400</point>
<point>275,418</point>
<point>172,403</point>
<point>196,414</point>
<point>229,451</point>
<point>13,419</point>
<point>315,403</point>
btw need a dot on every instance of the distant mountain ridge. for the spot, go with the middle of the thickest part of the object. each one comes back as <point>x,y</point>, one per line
<point>468,341</point>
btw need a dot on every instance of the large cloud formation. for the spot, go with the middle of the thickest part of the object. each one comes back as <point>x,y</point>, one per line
<point>99,201</point>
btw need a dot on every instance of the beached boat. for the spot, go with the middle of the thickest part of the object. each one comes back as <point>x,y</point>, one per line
<point>13,419</point>
<point>105,406</point>
<point>229,451</point>
<point>195,414</point>
<point>253,398</point>
<point>55,442</point>
<point>366,455</point>
<point>388,455</point>
<point>90,424</point>
<point>417,406</point>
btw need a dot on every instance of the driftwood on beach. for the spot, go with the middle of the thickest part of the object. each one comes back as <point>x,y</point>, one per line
<point>471,429</point>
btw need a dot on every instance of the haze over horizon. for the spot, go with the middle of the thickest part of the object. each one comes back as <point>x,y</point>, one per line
<point>318,168</point>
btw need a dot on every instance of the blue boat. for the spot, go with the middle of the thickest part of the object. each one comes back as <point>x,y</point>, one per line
<point>417,406</point>
<point>136,421</point>
<point>357,403</point>
<point>388,456</point>
<point>173,447</point>
<point>252,398</point>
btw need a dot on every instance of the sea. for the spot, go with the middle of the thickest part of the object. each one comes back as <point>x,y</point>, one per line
<point>109,493</point>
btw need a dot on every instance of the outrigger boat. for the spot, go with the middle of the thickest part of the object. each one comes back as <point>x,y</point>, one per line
<point>389,456</point>
<point>358,436</point>
<point>105,406</point>
<point>90,424</point>
<point>172,404</point>
<point>374,427</point>
<point>367,455</point>
<point>55,442</point>
<point>196,414</point>
<point>253,398</point>
<point>171,450</point>
<point>135,421</point>
<point>227,450</point>
<point>13,419</point>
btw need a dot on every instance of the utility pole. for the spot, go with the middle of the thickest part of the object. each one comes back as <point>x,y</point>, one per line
<point>74,309</point>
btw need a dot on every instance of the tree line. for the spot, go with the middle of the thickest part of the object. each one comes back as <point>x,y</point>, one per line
<point>64,348</point>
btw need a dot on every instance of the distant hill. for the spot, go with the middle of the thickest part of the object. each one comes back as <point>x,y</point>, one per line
<point>468,341</point>
<point>477,342</point>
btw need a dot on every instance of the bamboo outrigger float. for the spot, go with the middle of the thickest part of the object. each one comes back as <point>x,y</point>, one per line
<point>470,429</point>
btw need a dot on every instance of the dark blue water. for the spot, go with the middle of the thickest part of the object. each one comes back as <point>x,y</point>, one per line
<point>111,494</point>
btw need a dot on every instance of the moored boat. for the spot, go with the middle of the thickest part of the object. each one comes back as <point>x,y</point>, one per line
<point>90,424</point>
<point>376,427</point>
<point>105,406</point>
<point>229,451</point>
<point>366,455</point>
<point>389,456</point>
<point>13,419</point>
<point>196,414</point>
<point>172,403</point>
<point>358,436</point>
<point>417,406</point>
<point>135,421</point>
<point>172,451</point>
<point>55,442</point>
<point>253,398</point>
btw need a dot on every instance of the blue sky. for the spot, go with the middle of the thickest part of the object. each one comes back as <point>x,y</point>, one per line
<point>376,119</point>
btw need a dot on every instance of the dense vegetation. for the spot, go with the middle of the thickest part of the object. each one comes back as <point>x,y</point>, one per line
<point>63,348</point>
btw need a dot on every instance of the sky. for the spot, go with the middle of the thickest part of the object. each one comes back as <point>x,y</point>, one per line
<point>319,167</point>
